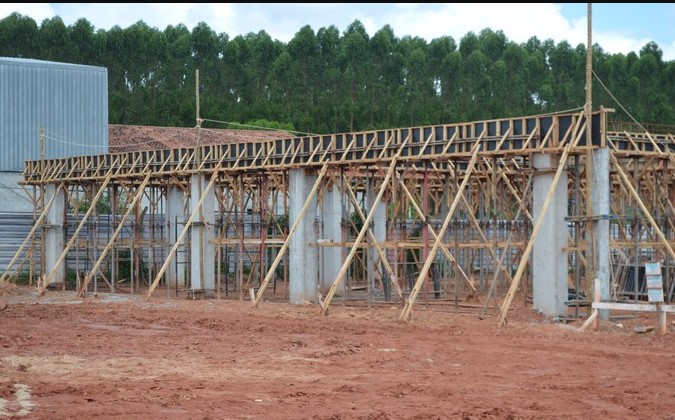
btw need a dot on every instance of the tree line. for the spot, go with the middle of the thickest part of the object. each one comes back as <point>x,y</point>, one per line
<point>328,81</point>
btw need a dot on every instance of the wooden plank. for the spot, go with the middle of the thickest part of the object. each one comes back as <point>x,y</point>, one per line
<point>636,307</point>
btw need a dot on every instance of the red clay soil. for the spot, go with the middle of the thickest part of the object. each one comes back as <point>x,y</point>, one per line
<point>118,356</point>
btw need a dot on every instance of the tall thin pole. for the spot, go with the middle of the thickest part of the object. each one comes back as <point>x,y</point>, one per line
<point>43,191</point>
<point>197,96</point>
<point>588,107</point>
<point>199,182</point>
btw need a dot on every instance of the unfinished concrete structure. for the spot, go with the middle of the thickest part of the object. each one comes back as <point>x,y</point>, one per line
<point>421,214</point>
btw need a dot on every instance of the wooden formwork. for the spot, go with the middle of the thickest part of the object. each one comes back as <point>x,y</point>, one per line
<point>457,196</point>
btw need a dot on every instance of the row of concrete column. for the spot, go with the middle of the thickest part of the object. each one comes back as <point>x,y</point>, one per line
<point>312,272</point>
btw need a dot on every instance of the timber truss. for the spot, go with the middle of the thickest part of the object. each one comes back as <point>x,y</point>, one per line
<point>457,199</point>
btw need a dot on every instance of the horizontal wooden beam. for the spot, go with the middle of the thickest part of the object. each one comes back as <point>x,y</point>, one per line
<point>441,143</point>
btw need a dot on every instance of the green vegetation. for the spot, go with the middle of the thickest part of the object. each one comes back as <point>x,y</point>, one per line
<point>327,81</point>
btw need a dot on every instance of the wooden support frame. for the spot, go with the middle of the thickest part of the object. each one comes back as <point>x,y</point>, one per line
<point>407,310</point>
<point>362,232</point>
<point>424,219</point>
<point>497,183</point>
<point>104,253</point>
<point>179,238</point>
<point>43,286</point>
<point>643,207</point>
<point>371,235</point>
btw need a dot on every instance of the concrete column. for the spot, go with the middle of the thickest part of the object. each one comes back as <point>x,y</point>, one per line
<point>549,255</point>
<point>202,251</point>
<point>379,227</point>
<point>54,240</point>
<point>331,261</point>
<point>303,258</point>
<point>175,214</point>
<point>600,188</point>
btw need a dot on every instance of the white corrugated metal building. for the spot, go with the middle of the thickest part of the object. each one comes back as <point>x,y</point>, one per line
<point>70,101</point>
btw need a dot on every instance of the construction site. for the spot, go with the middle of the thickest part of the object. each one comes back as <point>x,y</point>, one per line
<point>516,267</point>
<point>536,205</point>
<point>492,232</point>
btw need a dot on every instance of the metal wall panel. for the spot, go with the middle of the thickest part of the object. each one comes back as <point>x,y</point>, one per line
<point>70,101</point>
<point>14,228</point>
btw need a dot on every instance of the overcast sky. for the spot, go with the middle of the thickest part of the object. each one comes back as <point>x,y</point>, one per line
<point>617,27</point>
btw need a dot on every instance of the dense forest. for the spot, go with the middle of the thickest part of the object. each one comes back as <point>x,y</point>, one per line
<point>327,81</point>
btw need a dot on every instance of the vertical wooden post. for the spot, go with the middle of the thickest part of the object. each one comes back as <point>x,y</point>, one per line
<point>588,109</point>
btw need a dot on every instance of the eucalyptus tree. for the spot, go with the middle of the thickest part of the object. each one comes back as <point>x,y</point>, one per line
<point>444,62</point>
<point>475,82</point>
<point>418,86</point>
<point>87,45</point>
<point>19,37</point>
<point>54,42</point>
<point>176,76</point>
<point>281,86</point>
<point>385,77</point>
<point>264,52</point>
<point>564,64</point>
<point>206,51</point>
<point>355,66</point>
<point>304,51</point>
<point>516,96</point>
<point>653,99</point>
<point>237,89</point>
<point>327,111</point>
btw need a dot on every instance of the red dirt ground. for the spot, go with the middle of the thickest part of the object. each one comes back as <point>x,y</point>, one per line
<point>118,356</point>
